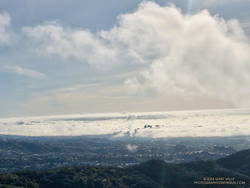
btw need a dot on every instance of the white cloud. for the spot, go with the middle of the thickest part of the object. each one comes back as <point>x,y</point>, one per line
<point>206,56</point>
<point>137,38</point>
<point>132,148</point>
<point>4,25</point>
<point>212,123</point>
<point>23,71</point>
<point>182,55</point>
<point>77,44</point>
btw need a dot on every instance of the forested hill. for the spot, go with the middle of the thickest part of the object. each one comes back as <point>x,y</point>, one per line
<point>151,174</point>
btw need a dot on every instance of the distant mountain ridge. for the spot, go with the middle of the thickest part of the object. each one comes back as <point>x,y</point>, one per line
<point>151,174</point>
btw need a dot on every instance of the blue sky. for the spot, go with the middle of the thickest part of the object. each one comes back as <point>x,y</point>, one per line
<point>60,57</point>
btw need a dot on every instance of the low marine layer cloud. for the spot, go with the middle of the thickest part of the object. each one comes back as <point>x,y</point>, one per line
<point>179,55</point>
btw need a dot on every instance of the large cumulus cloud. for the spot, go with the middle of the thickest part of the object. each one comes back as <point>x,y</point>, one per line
<point>179,55</point>
<point>204,56</point>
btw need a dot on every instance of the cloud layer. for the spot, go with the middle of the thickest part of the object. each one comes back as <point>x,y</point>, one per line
<point>180,55</point>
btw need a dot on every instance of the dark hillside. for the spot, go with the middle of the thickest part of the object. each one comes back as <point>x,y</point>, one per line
<point>151,174</point>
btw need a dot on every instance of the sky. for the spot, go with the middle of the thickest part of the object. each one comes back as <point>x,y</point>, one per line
<point>66,57</point>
